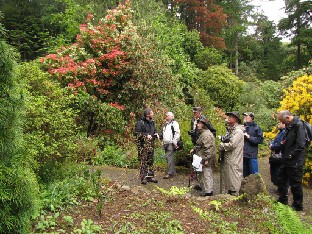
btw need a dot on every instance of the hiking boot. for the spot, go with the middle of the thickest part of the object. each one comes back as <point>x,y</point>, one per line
<point>197,187</point>
<point>232,193</point>
<point>152,179</point>
<point>144,181</point>
<point>206,194</point>
<point>167,176</point>
<point>297,208</point>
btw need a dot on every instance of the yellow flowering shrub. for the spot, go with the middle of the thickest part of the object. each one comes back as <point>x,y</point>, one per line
<point>298,100</point>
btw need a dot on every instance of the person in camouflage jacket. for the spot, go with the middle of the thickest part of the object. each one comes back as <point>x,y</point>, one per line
<point>146,133</point>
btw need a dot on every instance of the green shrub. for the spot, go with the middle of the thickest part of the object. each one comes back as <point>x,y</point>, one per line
<point>51,131</point>
<point>111,155</point>
<point>222,86</point>
<point>73,183</point>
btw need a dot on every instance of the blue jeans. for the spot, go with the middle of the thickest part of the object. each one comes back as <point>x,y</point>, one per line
<point>250,166</point>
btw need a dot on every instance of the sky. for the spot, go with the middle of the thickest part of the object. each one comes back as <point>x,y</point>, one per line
<point>271,8</point>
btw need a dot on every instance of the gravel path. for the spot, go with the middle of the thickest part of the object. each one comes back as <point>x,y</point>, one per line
<point>129,177</point>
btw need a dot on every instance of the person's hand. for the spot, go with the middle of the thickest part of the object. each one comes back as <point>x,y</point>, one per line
<point>191,151</point>
<point>156,134</point>
<point>149,137</point>
<point>246,135</point>
<point>175,146</point>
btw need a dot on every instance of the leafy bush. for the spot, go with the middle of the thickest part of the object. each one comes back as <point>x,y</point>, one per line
<point>51,130</point>
<point>207,57</point>
<point>111,155</point>
<point>222,86</point>
<point>72,184</point>
<point>113,63</point>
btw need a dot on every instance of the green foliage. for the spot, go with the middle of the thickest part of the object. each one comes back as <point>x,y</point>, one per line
<point>207,57</point>
<point>154,222</point>
<point>270,93</point>
<point>18,185</point>
<point>298,25</point>
<point>289,220</point>
<point>111,155</point>
<point>50,131</point>
<point>73,184</point>
<point>174,190</point>
<point>102,120</point>
<point>88,227</point>
<point>46,222</point>
<point>222,86</point>
<point>290,77</point>
<point>172,37</point>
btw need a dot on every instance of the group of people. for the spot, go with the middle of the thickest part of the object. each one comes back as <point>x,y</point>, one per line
<point>239,149</point>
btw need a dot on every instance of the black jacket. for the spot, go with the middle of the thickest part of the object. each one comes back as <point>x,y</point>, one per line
<point>143,128</point>
<point>195,133</point>
<point>251,143</point>
<point>293,144</point>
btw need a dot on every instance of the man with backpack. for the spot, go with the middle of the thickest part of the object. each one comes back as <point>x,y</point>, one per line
<point>293,149</point>
<point>170,136</point>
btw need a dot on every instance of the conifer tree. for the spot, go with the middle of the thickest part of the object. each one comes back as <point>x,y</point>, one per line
<point>18,185</point>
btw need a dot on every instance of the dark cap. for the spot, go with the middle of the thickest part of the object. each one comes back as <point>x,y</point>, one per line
<point>235,114</point>
<point>197,109</point>
<point>249,114</point>
<point>204,120</point>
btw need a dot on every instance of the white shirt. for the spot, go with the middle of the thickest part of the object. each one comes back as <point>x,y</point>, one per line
<point>167,133</point>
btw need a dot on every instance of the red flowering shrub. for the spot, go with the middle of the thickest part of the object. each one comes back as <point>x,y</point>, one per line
<point>98,61</point>
<point>111,61</point>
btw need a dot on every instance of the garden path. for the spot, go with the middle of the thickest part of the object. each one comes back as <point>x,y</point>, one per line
<point>129,177</point>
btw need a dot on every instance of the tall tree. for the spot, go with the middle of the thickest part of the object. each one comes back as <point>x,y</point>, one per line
<point>272,54</point>
<point>18,185</point>
<point>205,16</point>
<point>238,12</point>
<point>299,25</point>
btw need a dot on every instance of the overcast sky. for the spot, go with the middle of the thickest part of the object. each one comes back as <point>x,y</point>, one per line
<point>273,9</point>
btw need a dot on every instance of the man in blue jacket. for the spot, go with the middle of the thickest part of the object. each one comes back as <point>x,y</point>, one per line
<point>252,138</point>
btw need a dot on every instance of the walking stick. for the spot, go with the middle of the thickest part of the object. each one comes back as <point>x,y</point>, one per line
<point>221,156</point>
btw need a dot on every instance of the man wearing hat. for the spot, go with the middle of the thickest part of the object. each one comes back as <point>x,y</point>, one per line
<point>194,131</point>
<point>233,155</point>
<point>206,149</point>
<point>252,138</point>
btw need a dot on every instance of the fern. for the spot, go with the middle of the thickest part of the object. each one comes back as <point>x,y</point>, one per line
<point>289,220</point>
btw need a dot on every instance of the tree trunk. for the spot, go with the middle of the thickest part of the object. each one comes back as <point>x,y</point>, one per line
<point>298,42</point>
<point>236,56</point>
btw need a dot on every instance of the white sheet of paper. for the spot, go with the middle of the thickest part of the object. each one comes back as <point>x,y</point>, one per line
<point>197,163</point>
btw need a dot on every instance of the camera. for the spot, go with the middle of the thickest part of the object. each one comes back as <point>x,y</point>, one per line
<point>224,139</point>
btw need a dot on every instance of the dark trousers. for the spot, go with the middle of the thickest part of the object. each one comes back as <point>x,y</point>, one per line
<point>274,168</point>
<point>291,174</point>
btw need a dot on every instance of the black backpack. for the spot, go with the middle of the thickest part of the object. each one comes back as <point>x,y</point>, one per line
<point>308,132</point>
